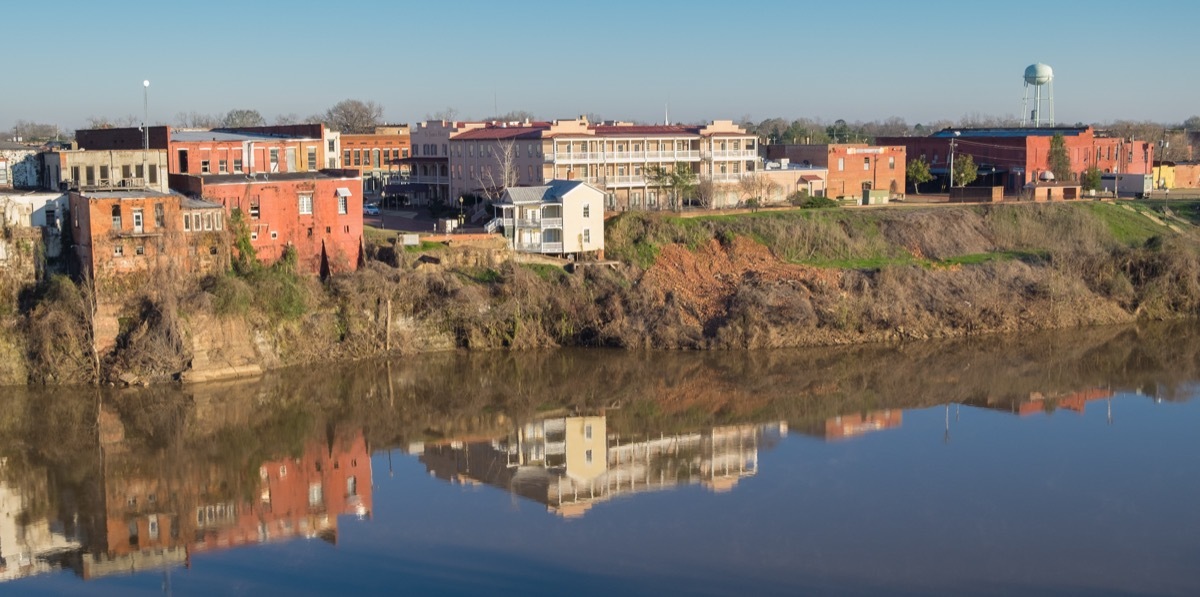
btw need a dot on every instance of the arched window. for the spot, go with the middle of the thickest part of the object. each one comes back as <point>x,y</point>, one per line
<point>116,217</point>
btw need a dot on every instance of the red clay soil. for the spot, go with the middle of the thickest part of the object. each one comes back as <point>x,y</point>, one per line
<point>701,282</point>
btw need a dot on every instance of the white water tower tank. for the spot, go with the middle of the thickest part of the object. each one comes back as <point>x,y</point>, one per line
<point>1040,77</point>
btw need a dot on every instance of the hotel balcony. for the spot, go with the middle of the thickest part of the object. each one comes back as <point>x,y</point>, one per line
<point>735,154</point>
<point>727,176</point>
<point>596,157</point>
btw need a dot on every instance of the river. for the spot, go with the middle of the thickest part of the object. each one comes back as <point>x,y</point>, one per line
<point>1057,463</point>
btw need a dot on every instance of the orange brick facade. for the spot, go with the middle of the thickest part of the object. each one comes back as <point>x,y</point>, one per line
<point>377,157</point>
<point>118,234</point>
<point>853,167</point>
<point>317,213</point>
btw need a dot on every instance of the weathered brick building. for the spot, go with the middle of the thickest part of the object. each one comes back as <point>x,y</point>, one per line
<point>1013,157</point>
<point>253,150</point>
<point>122,234</point>
<point>379,157</point>
<point>317,213</point>
<point>97,169</point>
<point>852,167</point>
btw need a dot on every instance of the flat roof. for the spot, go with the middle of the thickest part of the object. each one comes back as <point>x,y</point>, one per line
<point>123,194</point>
<point>216,135</point>
<point>9,145</point>
<point>1017,131</point>
<point>266,178</point>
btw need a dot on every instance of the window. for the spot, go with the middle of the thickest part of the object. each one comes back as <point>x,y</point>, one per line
<point>274,234</point>
<point>841,164</point>
<point>237,165</point>
<point>140,171</point>
<point>351,485</point>
<point>587,455</point>
<point>254,209</point>
<point>332,148</point>
<point>91,175</point>
<point>75,174</point>
<point>375,158</point>
<point>153,173</point>
<point>357,157</point>
<point>587,211</point>
<point>139,250</point>
<point>314,494</point>
<point>306,203</point>
<point>222,166</point>
<point>587,235</point>
<point>274,160</point>
<point>587,431</point>
<point>196,222</point>
<point>104,170</point>
<point>342,205</point>
<point>866,163</point>
<point>126,171</point>
<point>160,217</point>
<point>891,163</point>
<point>204,167</point>
<point>208,221</point>
<point>312,158</point>
<point>116,217</point>
<point>118,250</point>
<point>254,236</point>
<point>404,153</point>
<point>217,220</point>
<point>187,223</point>
<point>346,157</point>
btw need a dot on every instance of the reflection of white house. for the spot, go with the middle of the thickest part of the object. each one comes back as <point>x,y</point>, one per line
<point>564,217</point>
<point>29,545</point>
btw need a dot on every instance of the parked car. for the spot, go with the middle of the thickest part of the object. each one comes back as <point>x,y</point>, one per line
<point>370,210</point>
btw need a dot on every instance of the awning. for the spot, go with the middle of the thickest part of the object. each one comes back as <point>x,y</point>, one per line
<point>406,187</point>
<point>810,178</point>
<point>343,192</point>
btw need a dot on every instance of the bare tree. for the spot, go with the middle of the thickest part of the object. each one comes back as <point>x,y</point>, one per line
<point>447,114</point>
<point>196,120</point>
<point>706,193</point>
<point>35,131</point>
<point>104,122</point>
<point>756,188</point>
<point>513,116</point>
<point>354,117</point>
<point>241,118</point>
<point>289,118</point>
<point>497,177</point>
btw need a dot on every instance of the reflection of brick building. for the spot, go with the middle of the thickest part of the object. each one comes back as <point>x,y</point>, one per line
<point>160,511</point>
<point>1039,403</point>
<point>318,213</point>
<point>855,424</point>
<point>118,233</point>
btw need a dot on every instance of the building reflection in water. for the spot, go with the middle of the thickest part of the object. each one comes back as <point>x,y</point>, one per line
<point>139,510</point>
<point>855,424</point>
<point>571,463</point>
<point>1042,402</point>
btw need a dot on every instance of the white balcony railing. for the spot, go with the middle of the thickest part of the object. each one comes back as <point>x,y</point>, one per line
<point>555,247</point>
<point>552,223</point>
<point>736,154</point>
<point>728,176</point>
<point>625,181</point>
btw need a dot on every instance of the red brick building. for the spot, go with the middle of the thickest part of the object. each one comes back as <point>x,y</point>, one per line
<point>122,233</point>
<point>319,213</point>
<point>853,167</point>
<point>379,157</point>
<point>254,150</point>
<point>1012,157</point>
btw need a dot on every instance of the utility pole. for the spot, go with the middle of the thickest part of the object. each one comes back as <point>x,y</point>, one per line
<point>951,162</point>
<point>145,132</point>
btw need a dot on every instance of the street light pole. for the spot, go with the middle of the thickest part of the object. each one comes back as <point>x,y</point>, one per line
<point>145,131</point>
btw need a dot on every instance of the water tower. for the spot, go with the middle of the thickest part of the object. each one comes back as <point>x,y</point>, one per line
<point>1038,76</point>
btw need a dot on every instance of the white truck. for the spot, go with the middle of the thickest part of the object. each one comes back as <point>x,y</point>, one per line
<point>1137,186</point>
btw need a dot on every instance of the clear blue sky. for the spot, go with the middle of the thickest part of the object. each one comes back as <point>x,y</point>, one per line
<point>617,58</point>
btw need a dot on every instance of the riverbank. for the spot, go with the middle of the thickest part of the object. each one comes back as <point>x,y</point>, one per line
<point>763,280</point>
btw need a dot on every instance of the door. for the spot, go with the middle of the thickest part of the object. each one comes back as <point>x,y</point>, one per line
<point>183,161</point>
<point>137,221</point>
<point>291,159</point>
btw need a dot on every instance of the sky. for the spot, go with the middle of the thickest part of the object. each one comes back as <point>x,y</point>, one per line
<point>619,59</point>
